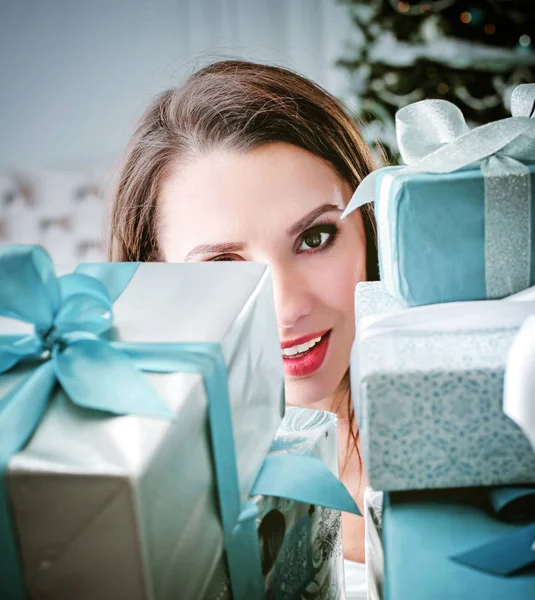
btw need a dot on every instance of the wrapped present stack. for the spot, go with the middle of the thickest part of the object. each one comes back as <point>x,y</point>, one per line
<point>443,365</point>
<point>137,414</point>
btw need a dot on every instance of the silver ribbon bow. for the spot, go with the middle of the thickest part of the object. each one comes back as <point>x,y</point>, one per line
<point>433,137</point>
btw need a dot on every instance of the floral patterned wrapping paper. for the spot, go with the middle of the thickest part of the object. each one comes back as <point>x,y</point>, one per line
<point>429,406</point>
<point>300,544</point>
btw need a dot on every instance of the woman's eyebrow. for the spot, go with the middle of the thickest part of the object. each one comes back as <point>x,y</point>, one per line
<point>214,249</point>
<point>307,220</point>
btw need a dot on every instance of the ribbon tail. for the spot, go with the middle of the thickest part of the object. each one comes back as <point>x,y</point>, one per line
<point>243,556</point>
<point>20,413</point>
<point>515,551</point>
<point>504,556</point>
<point>13,348</point>
<point>86,305</point>
<point>99,376</point>
<point>303,479</point>
<point>364,193</point>
<point>239,527</point>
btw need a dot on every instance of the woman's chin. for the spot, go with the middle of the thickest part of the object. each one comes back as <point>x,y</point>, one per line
<point>305,394</point>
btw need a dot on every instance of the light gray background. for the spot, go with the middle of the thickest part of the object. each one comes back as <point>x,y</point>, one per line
<point>75,75</point>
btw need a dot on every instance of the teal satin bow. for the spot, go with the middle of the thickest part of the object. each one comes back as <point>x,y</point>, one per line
<point>71,343</point>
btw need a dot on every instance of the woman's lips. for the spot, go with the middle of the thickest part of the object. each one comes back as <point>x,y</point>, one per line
<point>306,363</point>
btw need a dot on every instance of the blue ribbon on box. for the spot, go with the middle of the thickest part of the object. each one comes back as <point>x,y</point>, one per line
<point>433,137</point>
<point>72,316</point>
<point>511,553</point>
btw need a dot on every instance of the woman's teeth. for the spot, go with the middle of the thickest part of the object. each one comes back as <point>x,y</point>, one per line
<point>300,348</point>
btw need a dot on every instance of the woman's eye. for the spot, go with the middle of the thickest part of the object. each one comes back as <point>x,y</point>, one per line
<point>314,240</point>
<point>317,237</point>
<point>222,259</point>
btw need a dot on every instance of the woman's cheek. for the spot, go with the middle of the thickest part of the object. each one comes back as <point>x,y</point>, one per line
<point>334,277</point>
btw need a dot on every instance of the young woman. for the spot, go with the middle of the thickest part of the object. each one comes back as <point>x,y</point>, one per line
<point>254,162</point>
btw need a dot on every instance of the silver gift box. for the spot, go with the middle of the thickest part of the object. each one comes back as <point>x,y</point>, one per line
<point>125,507</point>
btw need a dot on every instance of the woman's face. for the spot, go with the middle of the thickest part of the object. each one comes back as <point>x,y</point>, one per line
<point>278,204</point>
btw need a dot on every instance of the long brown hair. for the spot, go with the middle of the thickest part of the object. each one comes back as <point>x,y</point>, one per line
<point>238,105</point>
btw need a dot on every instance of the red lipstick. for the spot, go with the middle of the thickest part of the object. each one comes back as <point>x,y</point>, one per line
<point>307,362</point>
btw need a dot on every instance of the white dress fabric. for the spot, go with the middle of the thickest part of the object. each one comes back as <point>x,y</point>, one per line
<point>355,576</point>
<point>365,581</point>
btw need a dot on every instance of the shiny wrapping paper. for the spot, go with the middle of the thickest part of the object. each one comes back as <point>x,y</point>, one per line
<point>125,507</point>
<point>430,405</point>
<point>301,544</point>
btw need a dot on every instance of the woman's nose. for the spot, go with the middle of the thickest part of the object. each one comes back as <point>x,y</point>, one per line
<point>293,297</point>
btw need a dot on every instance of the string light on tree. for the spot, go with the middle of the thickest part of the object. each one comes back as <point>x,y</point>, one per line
<point>469,52</point>
<point>466,17</point>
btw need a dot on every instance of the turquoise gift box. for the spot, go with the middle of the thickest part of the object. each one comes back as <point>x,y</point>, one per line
<point>432,236</point>
<point>457,223</point>
<point>422,531</point>
<point>301,544</point>
<point>429,404</point>
<point>126,507</point>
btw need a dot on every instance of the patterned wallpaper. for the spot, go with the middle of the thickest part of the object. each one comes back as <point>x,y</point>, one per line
<point>60,210</point>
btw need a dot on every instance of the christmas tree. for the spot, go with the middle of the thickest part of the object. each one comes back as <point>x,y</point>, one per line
<point>472,53</point>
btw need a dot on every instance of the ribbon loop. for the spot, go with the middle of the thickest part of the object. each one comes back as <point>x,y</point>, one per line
<point>433,137</point>
<point>523,100</point>
<point>85,305</point>
<point>35,279</point>
<point>426,126</point>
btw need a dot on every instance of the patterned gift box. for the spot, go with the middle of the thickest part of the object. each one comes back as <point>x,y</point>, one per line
<point>301,544</point>
<point>126,507</point>
<point>429,404</point>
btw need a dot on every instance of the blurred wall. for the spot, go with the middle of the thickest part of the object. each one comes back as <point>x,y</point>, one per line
<point>75,75</point>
